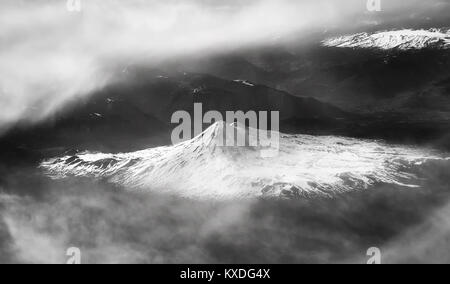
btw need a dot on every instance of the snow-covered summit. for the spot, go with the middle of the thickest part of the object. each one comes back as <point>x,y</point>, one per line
<point>406,39</point>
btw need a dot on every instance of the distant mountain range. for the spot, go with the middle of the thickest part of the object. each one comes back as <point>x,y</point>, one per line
<point>398,39</point>
<point>354,79</point>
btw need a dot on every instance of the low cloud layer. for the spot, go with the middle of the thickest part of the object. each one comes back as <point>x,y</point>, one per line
<point>50,56</point>
<point>40,219</point>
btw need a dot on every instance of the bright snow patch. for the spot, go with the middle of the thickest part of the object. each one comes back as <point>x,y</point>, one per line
<point>245,82</point>
<point>401,39</point>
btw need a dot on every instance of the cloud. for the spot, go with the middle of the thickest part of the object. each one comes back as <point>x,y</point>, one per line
<point>145,229</point>
<point>40,219</point>
<point>50,56</point>
<point>426,243</point>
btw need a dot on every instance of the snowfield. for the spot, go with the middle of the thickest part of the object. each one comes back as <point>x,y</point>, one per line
<point>401,39</point>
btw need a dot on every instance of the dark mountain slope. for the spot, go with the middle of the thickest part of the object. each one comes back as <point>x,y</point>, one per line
<point>352,79</point>
<point>136,113</point>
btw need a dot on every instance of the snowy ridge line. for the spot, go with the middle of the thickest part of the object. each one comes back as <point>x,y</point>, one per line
<point>406,39</point>
<point>307,166</point>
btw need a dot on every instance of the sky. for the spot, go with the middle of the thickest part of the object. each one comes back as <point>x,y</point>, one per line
<point>50,56</point>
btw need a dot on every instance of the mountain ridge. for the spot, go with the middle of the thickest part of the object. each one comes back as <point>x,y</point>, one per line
<point>406,39</point>
<point>136,112</point>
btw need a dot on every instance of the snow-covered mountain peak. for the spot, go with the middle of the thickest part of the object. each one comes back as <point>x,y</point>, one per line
<point>224,137</point>
<point>406,39</point>
<point>200,168</point>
